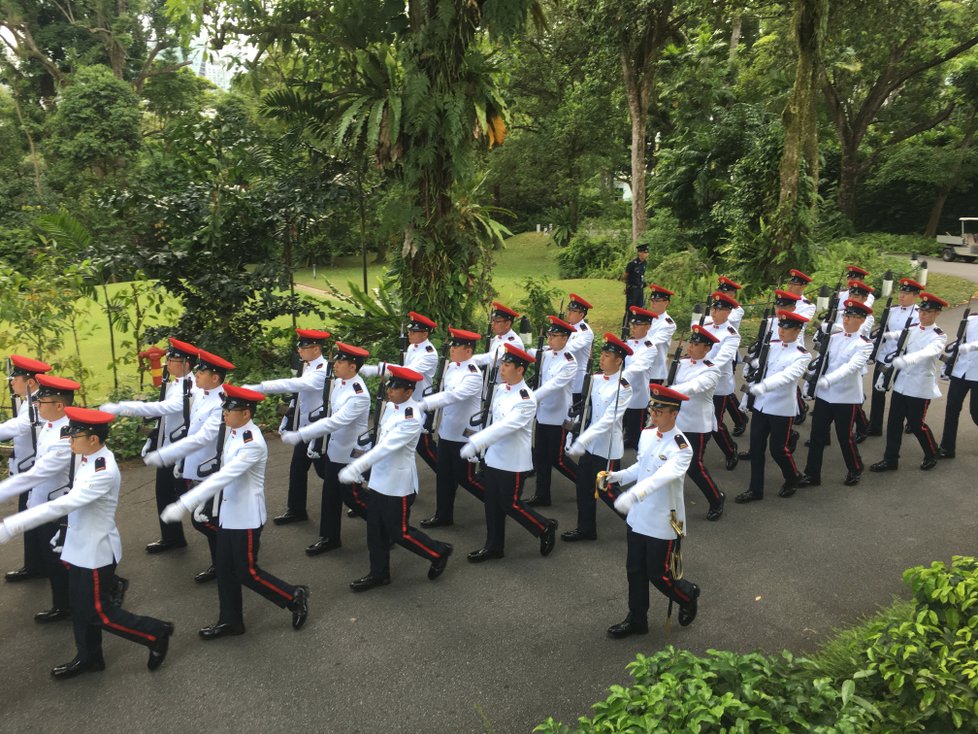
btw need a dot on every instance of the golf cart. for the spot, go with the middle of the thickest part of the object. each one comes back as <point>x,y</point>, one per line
<point>964,247</point>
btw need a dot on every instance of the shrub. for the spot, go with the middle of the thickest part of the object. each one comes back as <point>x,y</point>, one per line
<point>594,255</point>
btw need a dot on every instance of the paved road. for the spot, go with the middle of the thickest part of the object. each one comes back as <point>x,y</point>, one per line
<point>491,648</point>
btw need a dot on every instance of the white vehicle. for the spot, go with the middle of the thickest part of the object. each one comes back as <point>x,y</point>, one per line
<point>964,247</point>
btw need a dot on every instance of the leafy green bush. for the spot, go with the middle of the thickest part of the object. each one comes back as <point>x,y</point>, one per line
<point>594,255</point>
<point>539,301</point>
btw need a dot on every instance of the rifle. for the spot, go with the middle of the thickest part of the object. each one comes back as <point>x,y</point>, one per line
<point>822,339</point>
<point>676,357</point>
<point>887,373</point>
<point>319,445</point>
<point>756,374</point>
<point>368,439</point>
<point>429,419</point>
<point>481,419</point>
<point>583,405</point>
<point>213,464</point>
<point>537,372</point>
<point>24,464</point>
<point>402,343</point>
<point>877,336</point>
<point>950,356</point>
<point>763,330</point>
<point>626,323</point>
<point>600,480</point>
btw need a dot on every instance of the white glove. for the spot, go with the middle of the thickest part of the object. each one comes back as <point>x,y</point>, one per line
<point>613,477</point>
<point>899,363</point>
<point>113,408</point>
<point>754,364</point>
<point>625,501</point>
<point>173,512</point>
<point>256,388</point>
<point>824,383</point>
<point>311,451</point>
<point>967,347</point>
<point>178,471</point>
<point>145,449</point>
<point>468,451</point>
<point>199,514</point>
<point>349,474</point>
<point>576,450</point>
<point>153,458</point>
<point>5,535</point>
<point>757,389</point>
<point>892,334</point>
<point>423,406</point>
<point>284,425</point>
<point>879,383</point>
<point>291,438</point>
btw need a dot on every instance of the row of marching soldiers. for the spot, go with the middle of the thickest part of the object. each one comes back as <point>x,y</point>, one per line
<point>472,415</point>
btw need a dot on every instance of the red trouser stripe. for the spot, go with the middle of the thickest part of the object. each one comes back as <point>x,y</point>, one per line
<point>704,472</point>
<point>404,531</point>
<point>472,479</point>
<point>666,570</point>
<point>852,443</point>
<point>254,571</point>
<point>926,429</point>
<point>355,493</point>
<point>105,620</point>
<point>518,506</point>
<point>787,451</point>
<point>612,466</point>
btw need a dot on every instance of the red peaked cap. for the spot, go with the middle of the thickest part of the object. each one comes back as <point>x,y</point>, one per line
<point>659,292</point>
<point>87,418</point>
<point>405,374</point>
<point>179,348</point>
<point>797,318</point>
<point>703,334</point>
<point>51,384</point>
<point>724,280</point>
<point>559,325</point>
<point>721,297</point>
<point>799,277</point>
<point>420,323</point>
<point>858,285</point>
<point>643,316</point>
<point>461,336</point>
<point>312,336</point>
<point>501,310</point>
<point>856,307</point>
<point>212,360</point>
<point>780,295</point>
<point>613,344</point>
<point>237,394</point>
<point>850,269</point>
<point>666,397</point>
<point>348,350</point>
<point>926,299</point>
<point>910,284</point>
<point>28,366</point>
<point>576,300</point>
<point>517,356</point>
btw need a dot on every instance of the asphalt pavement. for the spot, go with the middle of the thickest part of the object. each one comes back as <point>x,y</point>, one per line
<point>496,647</point>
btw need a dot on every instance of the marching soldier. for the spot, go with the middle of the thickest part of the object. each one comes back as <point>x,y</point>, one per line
<point>964,378</point>
<point>307,402</point>
<point>697,378</point>
<point>506,443</point>
<point>458,401</point>
<point>92,549</point>
<point>775,408</point>
<point>860,293</point>
<point>501,324</point>
<point>729,288</point>
<point>197,452</point>
<point>723,354</point>
<point>915,385</point>
<point>580,343</point>
<point>796,285</point>
<point>421,356</point>
<point>660,334</point>
<point>557,368</point>
<point>345,422</point>
<point>637,365</point>
<point>48,479</point>
<point>173,412</point>
<point>635,279</point>
<point>905,312</point>
<point>857,274</point>
<point>393,485</point>
<point>600,446</point>
<point>839,395</point>
<point>656,517</point>
<point>21,429</point>
<point>238,488</point>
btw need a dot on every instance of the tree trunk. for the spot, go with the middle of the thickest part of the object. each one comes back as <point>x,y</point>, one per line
<point>735,30</point>
<point>848,176</point>
<point>637,85</point>
<point>35,162</point>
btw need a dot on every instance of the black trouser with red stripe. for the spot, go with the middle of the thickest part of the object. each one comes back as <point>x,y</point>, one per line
<point>845,417</point>
<point>208,528</point>
<point>777,428</point>
<point>587,473</point>
<point>723,404</point>
<point>697,469</point>
<point>237,566</point>
<point>335,495</point>
<point>91,612</point>
<point>503,490</point>
<point>548,453</point>
<point>632,424</point>
<point>649,560</point>
<point>55,570</point>
<point>167,492</point>
<point>33,560</point>
<point>452,471</point>
<point>914,412</point>
<point>428,451</point>
<point>299,476</point>
<point>389,522</point>
<point>738,416</point>
<point>956,393</point>
<point>877,402</point>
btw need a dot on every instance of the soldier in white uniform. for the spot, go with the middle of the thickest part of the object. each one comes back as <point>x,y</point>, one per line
<point>196,455</point>
<point>839,395</point>
<point>600,446</point>
<point>637,366</point>
<point>420,356</point>
<point>457,402</point>
<point>506,443</point>
<point>964,379</point>
<point>697,378</point>
<point>581,342</point>
<point>173,413</point>
<point>656,517</point>
<point>557,370</point>
<point>238,487</point>
<point>48,479</point>
<point>393,484</point>
<point>305,407</point>
<point>730,289</point>
<point>92,548</point>
<point>855,273</point>
<point>345,421</point>
<point>723,354</point>
<point>660,334</point>
<point>501,324</point>
<point>915,385</point>
<point>797,283</point>
<point>775,408</point>
<point>903,314</point>
<point>22,375</point>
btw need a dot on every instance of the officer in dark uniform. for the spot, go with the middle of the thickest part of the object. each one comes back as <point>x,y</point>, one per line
<point>635,279</point>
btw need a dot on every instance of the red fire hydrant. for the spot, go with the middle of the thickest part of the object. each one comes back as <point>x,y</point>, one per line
<point>154,355</point>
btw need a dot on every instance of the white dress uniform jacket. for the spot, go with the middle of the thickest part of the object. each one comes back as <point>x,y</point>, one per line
<point>240,480</point>
<point>918,379</point>
<point>637,366</point>
<point>579,344</point>
<point>507,441</point>
<point>48,478</point>
<point>553,396</point>
<point>393,470</point>
<point>660,335</point>
<point>966,366</point>
<point>610,396</point>
<point>92,540</point>
<point>421,357</point>
<point>200,444</point>
<point>309,387</point>
<point>847,356</point>
<point>698,379</point>
<point>723,354</point>
<point>806,308</point>
<point>169,409</point>
<point>658,473</point>
<point>786,363</point>
<point>349,407</point>
<point>497,347</point>
<point>18,429</point>
<point>459,399</point>
<point>895,321</point>
<point>734,319</point>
